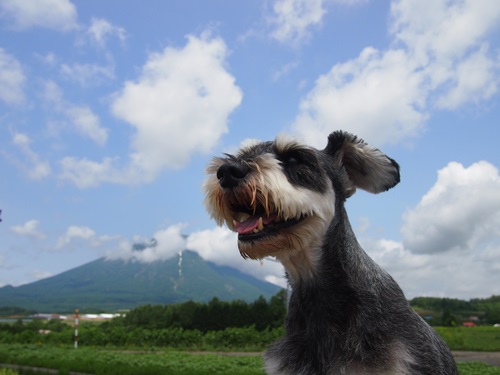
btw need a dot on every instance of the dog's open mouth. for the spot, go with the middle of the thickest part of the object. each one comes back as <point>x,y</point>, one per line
<point>252,226</point>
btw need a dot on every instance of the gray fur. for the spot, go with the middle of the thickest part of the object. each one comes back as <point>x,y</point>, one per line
<point>346,315</point>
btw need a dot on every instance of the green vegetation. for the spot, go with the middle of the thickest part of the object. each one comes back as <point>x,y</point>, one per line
<point>213,316</point>
<point>14,310</point>
<point>6,371</point>
<point>452,312</point>
<point>485,339</point>
<point>477,368</point>
<point>118,362</point>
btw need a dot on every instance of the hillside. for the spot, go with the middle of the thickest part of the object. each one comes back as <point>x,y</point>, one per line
<point>115,284</point>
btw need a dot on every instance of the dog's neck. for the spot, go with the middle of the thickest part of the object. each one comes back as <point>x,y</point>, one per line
<point>303,266</point>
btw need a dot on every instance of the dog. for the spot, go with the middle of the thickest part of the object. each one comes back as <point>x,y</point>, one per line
<point>346,315</point>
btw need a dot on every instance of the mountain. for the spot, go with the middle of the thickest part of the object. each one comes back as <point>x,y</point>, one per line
<point>106,285</point>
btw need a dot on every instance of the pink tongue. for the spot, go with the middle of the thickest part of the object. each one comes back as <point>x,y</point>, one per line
<point>252,223</point>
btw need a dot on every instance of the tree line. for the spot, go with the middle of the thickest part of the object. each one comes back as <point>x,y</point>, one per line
<point>215,315</point>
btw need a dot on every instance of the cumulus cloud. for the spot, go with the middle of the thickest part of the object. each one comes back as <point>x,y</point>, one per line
<point>166,244</point>
<point>12,79</point>
<point>461,212</point>
<point>438,275</point>
<point>178,106</point>
<point>29,229</point>
<point>439,59</point>
<point>34,168</point>
<point>377,96</point>
<point>59,15</point>
<point>82,119</point>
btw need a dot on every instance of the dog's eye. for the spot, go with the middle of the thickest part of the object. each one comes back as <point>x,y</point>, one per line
<point>290,158</point>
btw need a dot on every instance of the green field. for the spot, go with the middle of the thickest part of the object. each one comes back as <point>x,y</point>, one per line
<point>109,361</point>
<point>128,362</point>
<point>486,339</point>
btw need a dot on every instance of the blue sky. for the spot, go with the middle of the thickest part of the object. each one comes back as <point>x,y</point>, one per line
<point>110,111</point>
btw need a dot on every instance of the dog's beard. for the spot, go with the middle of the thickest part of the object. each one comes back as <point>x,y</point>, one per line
<point>285,242</point>
<point>271,216</point>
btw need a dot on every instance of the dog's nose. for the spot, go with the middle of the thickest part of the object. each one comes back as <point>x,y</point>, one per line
<point>229,175</point>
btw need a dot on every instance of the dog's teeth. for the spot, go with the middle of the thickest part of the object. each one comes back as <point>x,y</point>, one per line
<point>235,223</point>
<point>256,230</point>
<point>242,217</point>
<point>260,224</point>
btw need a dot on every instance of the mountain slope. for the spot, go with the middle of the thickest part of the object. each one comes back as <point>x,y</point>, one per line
<point>116,284</point>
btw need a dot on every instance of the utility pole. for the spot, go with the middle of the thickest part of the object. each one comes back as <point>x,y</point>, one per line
<point>76,329</point>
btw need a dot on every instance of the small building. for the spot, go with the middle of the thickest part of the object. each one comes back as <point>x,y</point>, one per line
<point>469,324</point>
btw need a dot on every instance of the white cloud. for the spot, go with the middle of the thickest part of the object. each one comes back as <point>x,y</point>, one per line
<point>100,30</point>
<point>29,229</point>
<point>293,19</point>
<point>440,275</point>
<point>34,168</point>
<point>12,79</point>
<point>75,232</point>
<point>439,58</point>
<point>475,80</point>
<point>461,212</point>
<point>167,243</point>
<point>179,106</point>
<point>53,14</point>
<point>285,70</point>
<point>82,119</point>
<point>377,96</point>
<point>87,173</point>
<point>88,74</point>
<point>443,30</point>
<point>87,124</point>
<point>448,40</point>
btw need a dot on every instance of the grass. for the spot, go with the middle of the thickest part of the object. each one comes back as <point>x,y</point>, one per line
<point>485,339</point>
<point>477,368</point>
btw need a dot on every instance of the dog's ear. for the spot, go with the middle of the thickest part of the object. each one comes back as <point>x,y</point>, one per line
<point>367,167</point>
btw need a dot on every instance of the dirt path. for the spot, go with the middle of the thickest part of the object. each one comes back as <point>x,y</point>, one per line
<point>491,358</point>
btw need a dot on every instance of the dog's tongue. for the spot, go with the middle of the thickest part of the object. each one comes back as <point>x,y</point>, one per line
<point>252,223</point>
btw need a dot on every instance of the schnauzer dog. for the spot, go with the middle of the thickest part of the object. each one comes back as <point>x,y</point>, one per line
<point>346,315</point>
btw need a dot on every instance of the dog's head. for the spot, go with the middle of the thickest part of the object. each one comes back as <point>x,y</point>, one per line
<point>280,196</point>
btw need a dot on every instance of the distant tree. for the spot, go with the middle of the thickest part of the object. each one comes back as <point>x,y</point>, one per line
<point>448,320</point>
<point>492,315</point>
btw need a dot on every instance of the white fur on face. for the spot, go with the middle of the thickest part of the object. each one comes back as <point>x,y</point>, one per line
<point>267,187</point>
